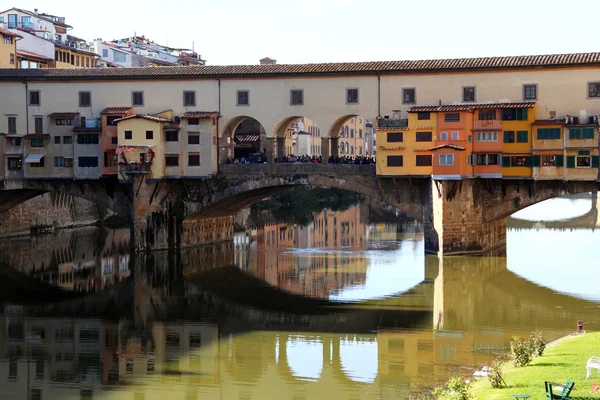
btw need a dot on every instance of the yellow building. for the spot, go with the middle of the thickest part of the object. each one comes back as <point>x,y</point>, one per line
<point>352,138</point>
<point>72,57</point>
<point>547,147</point>
<point>581,148</point>
<point>8,49</point>
<point>517,161</point>
<point>403,145</point>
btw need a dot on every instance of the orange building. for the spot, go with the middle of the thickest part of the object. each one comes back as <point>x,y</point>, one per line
<point>110,137</point>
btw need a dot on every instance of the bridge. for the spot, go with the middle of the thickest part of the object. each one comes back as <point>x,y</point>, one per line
<point>460,217</point>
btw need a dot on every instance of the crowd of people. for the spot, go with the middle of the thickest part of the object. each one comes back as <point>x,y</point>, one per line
<point>305,159</point>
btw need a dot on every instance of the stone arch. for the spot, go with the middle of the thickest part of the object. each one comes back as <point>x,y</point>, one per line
<point>227,140</point>
<point>306,140</point>
<point>352,141</point>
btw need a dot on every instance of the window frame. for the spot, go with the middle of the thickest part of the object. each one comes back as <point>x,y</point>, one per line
<point>394,135</point>
<point>193,102</point>
<point>464,92</point>
<point>483,113</point>
<point>589,92</point>
<point>128,135</point>
<point>89,94</point>
<point>348,92</point>
<point>548,161</point>
<point>444,136</point>
<point>237,98</point>
<point>35,125</point>
<point>414,95</point>
<point>528,86</point>
<point>421,116</point>
<point>451,120</point>
<point>396,157</point>
<point>446,163</point>
<point>133,94</point>
<point>418,139</point>
<point>190,155</point>
<point>455,135</point>
<point>301,102</point>
<point>173,158</point>
<point>169,136</point>
<point>578,157</point>
<point>149,135</point>
<point>12,124</point>
<point>421,157</point>
<point>39,98</point>
<point>193,136</point>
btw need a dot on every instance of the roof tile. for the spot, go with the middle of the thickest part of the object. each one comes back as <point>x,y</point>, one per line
<point>200,114</point>
<point>145,116</point>
<point>116,110</point>
<point>63,114</point>
<point>471,106</point>
<point>549,121</point>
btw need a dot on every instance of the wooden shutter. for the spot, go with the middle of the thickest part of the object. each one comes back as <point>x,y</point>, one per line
<point>537,160</point>
<point>560,160</point>
<point>506,161</point>
<point>529,161</point>
<point>570,161</point>
<point>595,161</point>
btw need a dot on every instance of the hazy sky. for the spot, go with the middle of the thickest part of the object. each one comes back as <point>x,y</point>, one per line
<point>304,31</point>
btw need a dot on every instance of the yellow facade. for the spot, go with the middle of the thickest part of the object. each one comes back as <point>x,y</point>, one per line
<point>138,148</point>
<point>73,58</point>
<point>547,147</point>
<point>352,138</point>
<point>516,159</point>
<point>8,49</point>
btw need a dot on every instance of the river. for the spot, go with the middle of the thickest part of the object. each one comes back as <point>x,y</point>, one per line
<point>336,303</point>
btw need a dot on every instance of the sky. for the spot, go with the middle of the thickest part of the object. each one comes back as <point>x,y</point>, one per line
<point>308,31</point>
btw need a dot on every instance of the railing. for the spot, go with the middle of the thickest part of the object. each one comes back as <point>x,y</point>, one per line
<point>15,25</point>
<point>135,168</point>
<point>292,169</point>
<point>493,124</point>
<point>392,123</point>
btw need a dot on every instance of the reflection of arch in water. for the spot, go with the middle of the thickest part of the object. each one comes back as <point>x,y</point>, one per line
<point>589,220</point>
<point>304,357</point>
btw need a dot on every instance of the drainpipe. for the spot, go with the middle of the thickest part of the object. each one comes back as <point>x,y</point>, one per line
<point>378,94</point>
<point>218,117</point>
<point>26,108</point>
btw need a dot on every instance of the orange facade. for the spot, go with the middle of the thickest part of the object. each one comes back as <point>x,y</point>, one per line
<point>110,137</point>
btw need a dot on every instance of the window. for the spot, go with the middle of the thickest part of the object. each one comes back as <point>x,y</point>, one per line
<point>487,115</point>
<point>395,161</point>
<point>424,161</point>
<point>111,120</point>
<point>394,137</point>
<point>67,139</point>
<point>509,136</point>
<point>583,161</point>
<point>352,96</point>
<point>193,139</point>
<point>469,93</point>
<point>485,159</point>
<point>85,99</point>
<point>443,135</point>
<point>34,98</point>
<point>56,139</point>
<point>424,137</point>
<point>12,125</point>
<point>522,137</point>
<point>39,125</point>
<point>12,58</point>
<point>37,142</point>
<point>446,159</point>
<point>455,135</point>
<point>594,89</point>
<point>189,98</point>
<point>486,136</point>
<point>114,140</point>
<point>128,135</point>
<point>548,161</point>
<point>296,97</point>
<point>243,97</point>
<point>529,92</point>
<point>69,162</point>
<point>137,99</point>
<point>7,39</point>
<point>87,162</point>
<point>352,133</point>
<point>360,133</point>
<point>15,142</point>
<point>119,57</point>
<point>59,161</point>
<point>514,114</point>
<point>194,160</point>
<point>15,163</point>
<point>408,96</point>
<point>149,135</point>
<point>88,138</point>
<point>581,133</point>
<point>39,164</point>
<point>63,122</point>
<point>518,161</point>
<point>105,53</point>
<point>193,121</point>
<point>452,117</point>
<point>424,116</point>
<point>172,136</point>
<point>172,161</point>
<point>548,133</point>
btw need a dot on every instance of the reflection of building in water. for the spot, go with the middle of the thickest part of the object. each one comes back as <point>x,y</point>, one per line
<point>241,250</point>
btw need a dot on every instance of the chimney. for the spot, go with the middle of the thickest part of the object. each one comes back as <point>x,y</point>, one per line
<point>267,61</point>
<point>35,11</point>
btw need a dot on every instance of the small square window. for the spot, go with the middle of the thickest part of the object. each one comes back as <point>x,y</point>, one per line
<point>172,161</point>
<point>189,98</point>
<point>352,96</point>
<point>193,139</point>
<point>424,116</point>
<point>114,140</point>
<point>34,98</point>
<point>56,139</point>
<point>149,135</point>
<point>172,136</point>
<point>85,99</point>
<point>443,135</point>
<point>137,99</point>
<point>193,121</point>
<point>67,139</point>
<point>529,92</point>
<point>454,135</point>
<point>194,160</point>
<point>128,135</point>
<point>296,97</point>
<point>469,94</point>
<point>243,97</point>
<point>408,96</point>
<point>594,89</point>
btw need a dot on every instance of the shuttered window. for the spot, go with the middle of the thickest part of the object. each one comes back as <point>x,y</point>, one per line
<point>424,161</point>
<point>548,133</point>
<point>509,136</point>
<point>395,137</point>
<point>395,161</point>
<point>522,137</point>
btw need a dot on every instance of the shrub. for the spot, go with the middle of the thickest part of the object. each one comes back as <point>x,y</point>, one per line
<point>494,374</point>
<point>521,351</point>
<point>456,389</point>
<point>538,343</point>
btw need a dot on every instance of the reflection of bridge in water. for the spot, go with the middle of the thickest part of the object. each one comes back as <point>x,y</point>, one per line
<point>589,220</point>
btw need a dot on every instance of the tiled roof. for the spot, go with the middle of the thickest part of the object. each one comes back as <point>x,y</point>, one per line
<point>364,68</point>
<point>172,126</point>
<point>146,116</point>
<point>6,32</point>
<point>446,146</point>
<point>116,110</point>
<point>200,114</point>
<point>27,54</point>
<point>63,114</point>
<point>560,121</point>
<point>471,106</point>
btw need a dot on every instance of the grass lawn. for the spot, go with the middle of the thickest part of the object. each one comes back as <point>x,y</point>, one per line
<point>561,361</point>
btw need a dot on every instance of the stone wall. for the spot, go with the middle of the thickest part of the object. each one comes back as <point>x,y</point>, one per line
<point>48,212</point>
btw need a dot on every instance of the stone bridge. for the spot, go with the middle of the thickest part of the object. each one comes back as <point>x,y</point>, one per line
<point>460,217</point>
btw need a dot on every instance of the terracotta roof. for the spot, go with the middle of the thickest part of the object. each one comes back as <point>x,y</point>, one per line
<point>172,126</point>
<point>27,54</point>
<point>116,110</point>
<point>45,17</point>
<point>63,114</point>
<point>145,116</point>
<point>471,106</point>
<point>200,114</point>
<point>6,32</point>
<point>361,68</point>
<point>558,121</point>
<point>446,146</point>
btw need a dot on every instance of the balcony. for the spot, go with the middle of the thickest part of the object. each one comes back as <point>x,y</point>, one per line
<point>88,125</point>
<point>487,125</point>
<point>392,123</point>
<point>135,168</point>
<point>19,25</point>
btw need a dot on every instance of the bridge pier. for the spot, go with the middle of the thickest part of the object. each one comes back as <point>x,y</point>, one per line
<point>454,219</point>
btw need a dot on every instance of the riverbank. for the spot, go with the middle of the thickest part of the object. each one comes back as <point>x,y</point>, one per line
<point>563,359</point>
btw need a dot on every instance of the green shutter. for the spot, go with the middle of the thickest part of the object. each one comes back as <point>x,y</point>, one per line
<point>537,160</point>
<point>575,133</point>
<point>583,153</point>
<point>570,161</point>
<point>525,114</point>
<point>522,137</point>
<point>595,161</point>
<point>587,133</point>
<point>529,161</point>
<point>505,161</point>
<point>560,160</point>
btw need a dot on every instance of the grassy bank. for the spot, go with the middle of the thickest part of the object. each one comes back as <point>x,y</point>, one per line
<point>563,360</point>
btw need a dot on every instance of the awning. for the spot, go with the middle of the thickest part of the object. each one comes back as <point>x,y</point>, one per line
<point>33,158</point>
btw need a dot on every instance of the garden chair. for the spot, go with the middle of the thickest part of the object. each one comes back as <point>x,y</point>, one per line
<point>563,395</point>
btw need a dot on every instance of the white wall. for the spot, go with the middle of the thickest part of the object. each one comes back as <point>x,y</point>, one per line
<point>35,44</point>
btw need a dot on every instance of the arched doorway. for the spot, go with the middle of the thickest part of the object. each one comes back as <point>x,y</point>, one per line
<point>352,137</point>
<point>297,137</point>
<point>243,138</point>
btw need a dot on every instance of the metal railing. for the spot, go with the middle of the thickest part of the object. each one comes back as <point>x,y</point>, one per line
<point>135,168</point>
